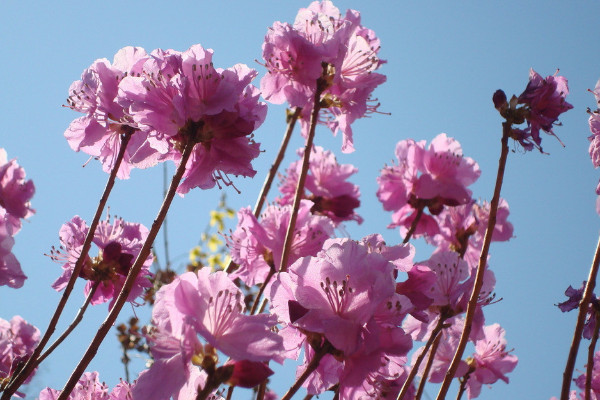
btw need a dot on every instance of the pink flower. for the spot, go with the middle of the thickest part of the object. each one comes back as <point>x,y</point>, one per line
<point>580,380</point>
<point>257,246</point>
<point>323,44</point>
<point>430,178</point>
<point>545,99</point>
<point>491,361</point>
<point>11,273</point>
<point>181,97</point>
<point>214,307</point>
<point>15,191</point>
<point>331,194</point>
<point>119,244</point>
<point>98,132</point>
<point>462,228</point>
<point>89,387</point>
<point>18,340</point>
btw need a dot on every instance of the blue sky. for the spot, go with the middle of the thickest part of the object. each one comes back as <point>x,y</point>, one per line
<point>445,60</point>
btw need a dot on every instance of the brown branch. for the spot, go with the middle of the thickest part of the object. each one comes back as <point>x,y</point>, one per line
<point>583,308</point>
<point>472,306</point>
<point>289,237</point>
<point>133,272</point>
<point>18,380</point>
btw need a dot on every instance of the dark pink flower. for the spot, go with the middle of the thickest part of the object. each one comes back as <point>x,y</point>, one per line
<point>545,99</point>
<point>98,132</point>
<point>327,183</point>
<point>181,97</point>
<point>18,340</point>
<point>11,273</point>
<point>257,246</point>
<point>15,191</point>
<point>119,244</point>
<point>580,380</point>
<point>323,44</point>
<point>462,228</point>
<point>431,178</point>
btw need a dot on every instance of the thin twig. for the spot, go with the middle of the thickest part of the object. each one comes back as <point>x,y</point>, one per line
<point>472,306</point>
<point>430,360</point>
<point>133,272</point>
<point>164,225</point>
<point>583,308</point>
<point>415,369</point>
<point>262,197</point>
<point>310,368</point>
<point>262,389</point>
<point>590,360</point>
<point>289,237</point>
<point>18,380</point>
<point>261,291</point>
<point>413,226</point>
<point>230,392</point>
<point>74,324</point>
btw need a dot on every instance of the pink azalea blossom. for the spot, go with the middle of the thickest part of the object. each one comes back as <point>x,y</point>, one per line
<point>462,228</point>
<point>214,307</point>
<point>119,244</point>
<point>98,133</point>
<point>11,273</point>
<point>326,181</point>
<point>15,191</point>
<point>323,44</point>
<point>181,97</point>
<point>490,362</point>
<point>257,246</point>
<point>580,380</point>
<point>18,340</point>
<point>545,99</point>
<point>89,387</point>
<point>333,296</point>
<point>426,178</point>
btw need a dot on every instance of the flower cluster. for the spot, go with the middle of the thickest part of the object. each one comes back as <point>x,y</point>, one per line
<point>18,340</point>
<point>89,387</point>
<point>209,305</point>
<point>331,194</point>
<point>431,178</point>
<point>119,244</point>
<point>257,246</point>
<point>15,194</point>
<point>542,102</point>
<point>327,51</point>
<point>164,101</point>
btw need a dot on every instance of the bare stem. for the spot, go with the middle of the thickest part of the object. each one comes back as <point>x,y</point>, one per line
<point>413,226</point>
<point>472,306</point>
<point>262,389</point>
<point>590,360</point>
<point>413,372</point>
<point>583,309</point>
<point>74,324</point>
<point>310,368</point>
<point>261,291</point>
<point>262,197</point>
<point>229,392</point>
<point>28,368</point>
<point>430,360</point>
<point>165,230</point>
<point>133,272</point>
<point>289,237</point>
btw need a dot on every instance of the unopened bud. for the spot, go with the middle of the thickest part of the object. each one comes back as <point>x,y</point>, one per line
<point>499,99</point>
<point>248,374</point>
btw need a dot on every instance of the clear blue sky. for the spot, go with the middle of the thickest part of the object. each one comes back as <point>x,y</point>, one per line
<point>445,59</point>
